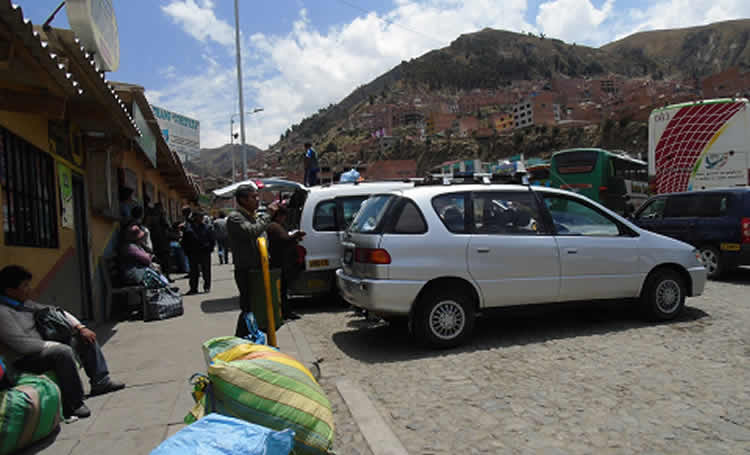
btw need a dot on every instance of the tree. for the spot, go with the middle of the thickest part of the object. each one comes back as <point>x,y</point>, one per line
<point>372,100</point>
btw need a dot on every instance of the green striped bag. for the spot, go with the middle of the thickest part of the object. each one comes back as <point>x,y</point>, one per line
<point>266,390</point>
<point>29,411</point>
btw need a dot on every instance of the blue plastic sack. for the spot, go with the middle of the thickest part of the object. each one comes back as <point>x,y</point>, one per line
<point>255,335</point>
<point>216,434</point>
<point>350,176</point>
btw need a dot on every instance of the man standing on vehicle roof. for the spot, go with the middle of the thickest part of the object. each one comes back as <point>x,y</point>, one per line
<point>244,227</point>
<point>311,165</point>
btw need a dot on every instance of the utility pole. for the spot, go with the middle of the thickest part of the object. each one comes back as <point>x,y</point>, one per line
<point>239,85</point>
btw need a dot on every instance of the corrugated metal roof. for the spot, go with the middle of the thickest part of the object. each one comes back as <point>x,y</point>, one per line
<point>12,15</point>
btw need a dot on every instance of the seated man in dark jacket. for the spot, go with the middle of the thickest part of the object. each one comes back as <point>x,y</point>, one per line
<point>22,344</point>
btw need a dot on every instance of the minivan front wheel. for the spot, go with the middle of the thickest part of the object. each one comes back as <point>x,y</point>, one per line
<point>712,261</point>
<point>663,296</point>
<point>444,319</point>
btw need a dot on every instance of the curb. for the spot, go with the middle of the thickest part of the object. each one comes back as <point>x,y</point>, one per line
<point>379,436</point>
<point>303,350</point>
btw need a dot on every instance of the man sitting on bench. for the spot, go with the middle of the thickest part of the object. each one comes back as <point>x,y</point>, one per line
<point>22,345</point>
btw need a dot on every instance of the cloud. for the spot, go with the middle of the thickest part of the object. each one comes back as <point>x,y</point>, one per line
<point>574,20</point>
<point>200,21</point>
<point>683,13</point>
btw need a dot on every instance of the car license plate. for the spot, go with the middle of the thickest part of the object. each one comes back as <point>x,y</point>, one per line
<point>730,246</point>
<point>318,263</point>
<point>348,257</point>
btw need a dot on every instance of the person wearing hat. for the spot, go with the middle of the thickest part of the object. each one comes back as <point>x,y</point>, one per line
<point>198,242</point>
<point>244,226</point>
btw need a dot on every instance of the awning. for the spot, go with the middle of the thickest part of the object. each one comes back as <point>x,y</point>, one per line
<point>228,191</point>
<point>269,184</point>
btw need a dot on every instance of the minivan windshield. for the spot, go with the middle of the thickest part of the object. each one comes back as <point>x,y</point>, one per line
<point>369,215</point>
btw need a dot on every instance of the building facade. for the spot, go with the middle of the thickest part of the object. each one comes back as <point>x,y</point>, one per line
<point>68,142</point>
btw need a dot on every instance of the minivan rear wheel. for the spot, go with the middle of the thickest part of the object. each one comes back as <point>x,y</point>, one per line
<point>444,319</point>
<point>663,296</point>
<point>712,261</point>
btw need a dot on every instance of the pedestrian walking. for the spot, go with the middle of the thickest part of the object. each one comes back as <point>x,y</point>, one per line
<point>244,227</point>
<point>220,231</point>
<point>281,246</point>
<point>311,165</point>
<point>198,243</point>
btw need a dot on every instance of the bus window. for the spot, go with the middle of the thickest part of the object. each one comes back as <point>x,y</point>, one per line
<point>576,162</point>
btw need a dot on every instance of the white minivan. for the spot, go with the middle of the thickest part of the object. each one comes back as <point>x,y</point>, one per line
<point>324,212</point>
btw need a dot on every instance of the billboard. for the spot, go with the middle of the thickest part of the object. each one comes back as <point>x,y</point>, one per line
<point>95,24</point>
<point>700,145</point>
<point>183,134</point>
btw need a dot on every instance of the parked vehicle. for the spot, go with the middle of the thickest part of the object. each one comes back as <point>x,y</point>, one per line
<point>603,176</point>
<point>699,145</point>
<point>441,254</point>
<point>324,212</point>
<point>717,222</point>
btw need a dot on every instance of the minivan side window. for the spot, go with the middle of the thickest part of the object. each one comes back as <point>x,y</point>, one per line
<point>324,217</point>
<point>653,210</point>
<point>450,208</point>
<point>506,213</point>
<point>682,206</point>
<point>349,207</point>
<point>712,205</point>
<point>572,217</point>
<point>410,221</point>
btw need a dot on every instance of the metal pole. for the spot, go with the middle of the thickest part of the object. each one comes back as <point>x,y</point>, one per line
<point>239,84</point>
<point>231,146</point>
<point>51,17</point>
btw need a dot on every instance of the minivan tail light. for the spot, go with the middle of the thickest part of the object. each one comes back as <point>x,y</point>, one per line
<point>372,256</point>
<point>745,230</point>
<point>602,189</point>
<point>301,254</point>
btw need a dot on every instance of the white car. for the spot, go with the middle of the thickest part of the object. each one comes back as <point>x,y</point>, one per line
<point>439,254</point>
<point>323,213</point>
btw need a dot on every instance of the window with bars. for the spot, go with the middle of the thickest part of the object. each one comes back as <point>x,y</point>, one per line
<point>29,198</point>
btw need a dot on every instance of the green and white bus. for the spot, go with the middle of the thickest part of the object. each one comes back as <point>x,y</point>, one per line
<point>604,176</point>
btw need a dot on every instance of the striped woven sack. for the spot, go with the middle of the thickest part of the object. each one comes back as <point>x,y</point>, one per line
<point>268,391</point>
<point>29,412</point>
<point>229,348</point>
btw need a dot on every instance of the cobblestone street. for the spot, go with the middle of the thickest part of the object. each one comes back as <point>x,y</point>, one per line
<point>572,379</point>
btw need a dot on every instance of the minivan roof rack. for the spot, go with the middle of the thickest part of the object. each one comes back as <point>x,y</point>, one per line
<point>471,177</point>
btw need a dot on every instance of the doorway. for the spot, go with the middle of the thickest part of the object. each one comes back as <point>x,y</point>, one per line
<point>82,246</point>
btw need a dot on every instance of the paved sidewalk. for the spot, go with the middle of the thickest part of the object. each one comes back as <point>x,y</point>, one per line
<point>156,360</point>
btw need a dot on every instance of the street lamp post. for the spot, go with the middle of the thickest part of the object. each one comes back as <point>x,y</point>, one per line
<point>239,85</point>
<point>231,141</point>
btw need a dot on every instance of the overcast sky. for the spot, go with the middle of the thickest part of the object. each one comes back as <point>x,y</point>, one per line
<point>300,56</point>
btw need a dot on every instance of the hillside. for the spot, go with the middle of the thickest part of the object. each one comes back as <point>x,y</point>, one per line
<point>217,162</point>
<point>693,51</point>
<point>496,60</point>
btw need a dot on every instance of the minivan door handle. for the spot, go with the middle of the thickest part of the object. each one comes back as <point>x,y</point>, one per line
<point>483,250</point>
<point>572,251</point>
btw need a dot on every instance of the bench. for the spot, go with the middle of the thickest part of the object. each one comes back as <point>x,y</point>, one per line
<point>136,299</point>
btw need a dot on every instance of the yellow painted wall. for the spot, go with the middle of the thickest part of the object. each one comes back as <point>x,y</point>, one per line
<point>39,261</point>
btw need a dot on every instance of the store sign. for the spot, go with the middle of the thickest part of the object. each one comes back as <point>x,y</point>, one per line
<point>93,21</point>
<point>147,140</point>
<point>183,134</point>
<point>66,195</point>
